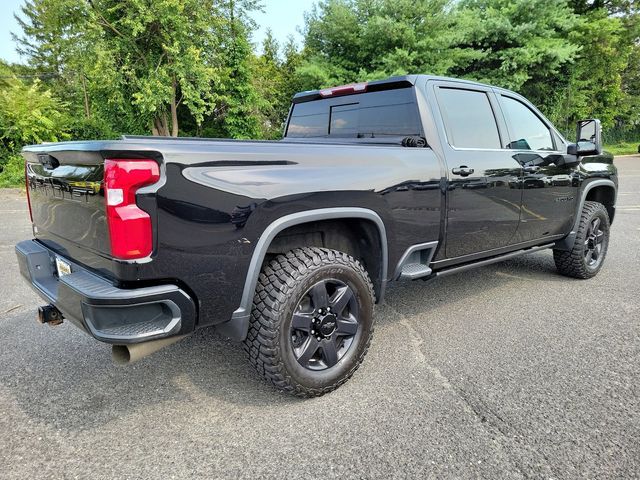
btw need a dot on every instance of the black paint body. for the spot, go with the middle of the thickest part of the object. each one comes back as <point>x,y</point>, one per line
<point>216,198</point>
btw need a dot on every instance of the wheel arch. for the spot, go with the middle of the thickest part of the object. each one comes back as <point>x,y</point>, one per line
<point>601,190</point>
<point>237,327</point>
<point>604,194</point>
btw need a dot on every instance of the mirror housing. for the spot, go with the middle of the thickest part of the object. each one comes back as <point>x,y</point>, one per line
<point>588,138</point>
<point>569,160</point>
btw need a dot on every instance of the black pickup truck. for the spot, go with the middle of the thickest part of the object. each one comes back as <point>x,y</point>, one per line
<point>287,245</point>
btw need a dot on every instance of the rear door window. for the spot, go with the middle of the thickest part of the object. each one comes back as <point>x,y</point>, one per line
<point>364,115</point>
<point>468,118</point>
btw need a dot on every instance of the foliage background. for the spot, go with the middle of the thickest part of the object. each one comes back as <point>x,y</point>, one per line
<point>103,68</point>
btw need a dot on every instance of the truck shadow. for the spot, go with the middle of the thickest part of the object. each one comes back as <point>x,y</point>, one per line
<point>64,379</point>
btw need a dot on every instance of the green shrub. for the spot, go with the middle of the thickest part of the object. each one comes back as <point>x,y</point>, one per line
<point>29,114</point>
<point>12,171</point>
<point>90,129</point>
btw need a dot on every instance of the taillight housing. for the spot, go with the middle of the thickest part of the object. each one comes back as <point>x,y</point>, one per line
<point>130,229</point>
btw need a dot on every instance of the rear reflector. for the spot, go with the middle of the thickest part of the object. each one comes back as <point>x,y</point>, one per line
<point>344,90</point>
<point>130,229</point>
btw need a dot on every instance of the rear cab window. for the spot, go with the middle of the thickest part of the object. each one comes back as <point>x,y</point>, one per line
<point>386,113</point>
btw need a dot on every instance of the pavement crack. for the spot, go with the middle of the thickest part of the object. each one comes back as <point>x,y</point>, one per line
<point>511,441</point>
<point>11,309</point>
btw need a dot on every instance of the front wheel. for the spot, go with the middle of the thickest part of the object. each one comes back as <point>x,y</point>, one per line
<point>312,320</point>
<point>586,257</point>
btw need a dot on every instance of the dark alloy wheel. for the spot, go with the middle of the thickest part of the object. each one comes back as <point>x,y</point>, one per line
<point>594,243</point>
<point>312,320</point>
<point>324,324</point>
<point>587,254</point>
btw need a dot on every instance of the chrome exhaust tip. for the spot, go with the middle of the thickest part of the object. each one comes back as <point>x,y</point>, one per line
<point>126,354</point>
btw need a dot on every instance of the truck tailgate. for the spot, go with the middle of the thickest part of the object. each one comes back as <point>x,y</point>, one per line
<point>66,194</point>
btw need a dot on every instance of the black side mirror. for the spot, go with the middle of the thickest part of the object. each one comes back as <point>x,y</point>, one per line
<point>589,139</point>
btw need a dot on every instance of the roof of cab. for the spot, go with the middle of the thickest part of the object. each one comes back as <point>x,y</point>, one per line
<point>390,83</point>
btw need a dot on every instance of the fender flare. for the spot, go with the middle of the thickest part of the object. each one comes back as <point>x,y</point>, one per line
<point>567,242</point>
<point>237,327</point>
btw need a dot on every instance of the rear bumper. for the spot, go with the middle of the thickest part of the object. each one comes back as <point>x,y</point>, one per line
<point>110,314</point>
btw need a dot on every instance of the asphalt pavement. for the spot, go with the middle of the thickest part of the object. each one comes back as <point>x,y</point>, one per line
<point>507,371</point>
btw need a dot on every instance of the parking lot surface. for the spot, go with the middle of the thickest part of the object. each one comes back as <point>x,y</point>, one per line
<point>507,371</point>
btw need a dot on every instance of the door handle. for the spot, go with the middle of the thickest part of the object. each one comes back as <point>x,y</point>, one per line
<point>462,170</point>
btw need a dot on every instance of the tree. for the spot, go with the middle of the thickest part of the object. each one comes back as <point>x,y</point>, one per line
<point>268,82</point>
<point>291,82</point>
<point>349,40</point>
<point>238,111</point>
<point>612,6</point>
<point>595,80</point>
<point>51,30</point>
<point>52,41</point>
<point>29,114</point>
<point>157,56</point>
<point>518,43</point>
<point>187,66</point>
<point>275,79</point>
<point>570,58</point>
<point>630,81</point>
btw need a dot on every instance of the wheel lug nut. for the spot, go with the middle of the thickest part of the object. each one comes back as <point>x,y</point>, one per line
<point>313,332</point>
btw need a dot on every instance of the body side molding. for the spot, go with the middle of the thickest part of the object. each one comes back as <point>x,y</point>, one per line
<point>236,328</point>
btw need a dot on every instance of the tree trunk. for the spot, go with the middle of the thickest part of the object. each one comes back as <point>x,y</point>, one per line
<point>87,108</point>
<point>160,126</point>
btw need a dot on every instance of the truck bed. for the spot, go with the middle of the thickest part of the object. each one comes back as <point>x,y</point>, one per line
<point>216,197</point>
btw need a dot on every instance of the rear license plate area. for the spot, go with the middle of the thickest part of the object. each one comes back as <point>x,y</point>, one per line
<point>63,268</point>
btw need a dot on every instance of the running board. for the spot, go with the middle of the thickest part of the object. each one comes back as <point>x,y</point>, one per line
<point>489,261</point>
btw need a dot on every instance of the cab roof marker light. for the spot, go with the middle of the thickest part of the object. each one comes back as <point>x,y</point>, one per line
<point>344,90</point>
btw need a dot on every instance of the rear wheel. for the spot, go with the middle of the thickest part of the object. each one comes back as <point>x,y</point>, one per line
<point>586,257</point>
<point>312,320</point>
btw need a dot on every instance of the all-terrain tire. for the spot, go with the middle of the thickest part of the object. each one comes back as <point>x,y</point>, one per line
<point>282,284</point>
<point>576,262</point>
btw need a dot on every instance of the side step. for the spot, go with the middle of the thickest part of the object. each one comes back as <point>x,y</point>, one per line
<point>489,261</point>
<point>415,261</point>
<point>411,271</point>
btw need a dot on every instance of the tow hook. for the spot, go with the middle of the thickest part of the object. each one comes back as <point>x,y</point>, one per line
<point>50,314</point>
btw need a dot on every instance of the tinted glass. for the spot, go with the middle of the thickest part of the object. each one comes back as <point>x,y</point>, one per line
<point>310,121</point>
<point>528,131</point>
<point>468,119</point>
<point>344,119</point>
<point>389,112</point>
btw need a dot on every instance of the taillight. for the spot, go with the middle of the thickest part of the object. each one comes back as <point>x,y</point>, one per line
<point>26,187</point>
<point>343,90</point>
<point>130,227</point>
